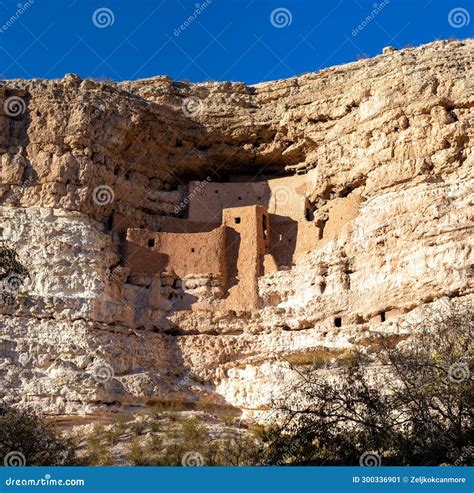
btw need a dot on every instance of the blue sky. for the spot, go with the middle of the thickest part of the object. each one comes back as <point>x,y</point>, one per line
<point>246,40</point>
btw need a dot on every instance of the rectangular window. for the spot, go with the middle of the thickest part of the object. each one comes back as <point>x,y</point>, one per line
<point>265,226</point>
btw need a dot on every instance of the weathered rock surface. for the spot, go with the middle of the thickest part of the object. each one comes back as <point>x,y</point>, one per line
<point>392,135</point>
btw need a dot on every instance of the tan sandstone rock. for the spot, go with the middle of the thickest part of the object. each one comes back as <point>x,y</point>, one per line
<point>366,167</point>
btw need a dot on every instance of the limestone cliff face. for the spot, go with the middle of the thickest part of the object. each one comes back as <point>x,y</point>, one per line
<point>387,146</point>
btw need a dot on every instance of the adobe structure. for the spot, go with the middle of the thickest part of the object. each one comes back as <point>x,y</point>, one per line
<point>233,233</point>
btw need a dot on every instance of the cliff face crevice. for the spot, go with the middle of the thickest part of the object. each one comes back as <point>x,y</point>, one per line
<point>370,162</point>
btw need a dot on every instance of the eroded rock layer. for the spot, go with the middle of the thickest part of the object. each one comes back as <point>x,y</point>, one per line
<point>366,168</point>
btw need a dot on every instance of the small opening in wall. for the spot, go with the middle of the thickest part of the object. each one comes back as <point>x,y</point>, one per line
<point>128,175</point>
<point>237,220</point>
<point>110,221</point>
<point>321,225</point>
<point>382,316</point>
<point>338,322</point>
<point>240,198</point>
<point>1,232</point>
<point>151,242</point>
<point>192,250</point>
<point>308,211</point>
<point>264,224</point>
<point>216,191</point>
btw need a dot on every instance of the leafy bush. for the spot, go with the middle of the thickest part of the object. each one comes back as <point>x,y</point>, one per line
<point>98,448</point>
<point>25,439</point>
<point>413,405</point>
<point>190,443</point>
<point>144,454</point>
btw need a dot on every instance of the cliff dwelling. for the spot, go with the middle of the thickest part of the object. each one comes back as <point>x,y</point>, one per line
<point>229,234</point>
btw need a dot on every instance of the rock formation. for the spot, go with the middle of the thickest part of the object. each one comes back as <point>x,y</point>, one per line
<point>184,241</point>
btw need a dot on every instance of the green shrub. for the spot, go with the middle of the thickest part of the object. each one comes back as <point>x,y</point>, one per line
<point>25,437</point>
<point>413,407</point>
<point>98,449</point>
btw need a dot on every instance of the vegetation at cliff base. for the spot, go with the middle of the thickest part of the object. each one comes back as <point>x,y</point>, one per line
<point>26,439</point>
<point>410,404</point>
